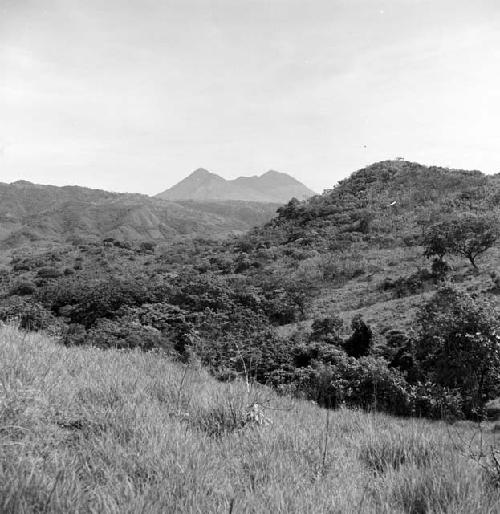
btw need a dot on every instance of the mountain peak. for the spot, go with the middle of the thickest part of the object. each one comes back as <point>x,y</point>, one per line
<point>201,172</point>
<point>271,187</point>
<point>274,178</point>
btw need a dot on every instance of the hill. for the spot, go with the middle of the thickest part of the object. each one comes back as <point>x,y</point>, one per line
<point>82,430</point>
<point>31,212</point>
<point>367,231</point>
<point>204,186</point>
<point>332,300</point>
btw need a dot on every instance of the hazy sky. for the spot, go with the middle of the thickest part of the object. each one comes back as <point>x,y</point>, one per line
<point>132,95</point>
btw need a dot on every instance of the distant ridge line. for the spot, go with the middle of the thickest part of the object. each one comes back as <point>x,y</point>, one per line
<point>271,187</point>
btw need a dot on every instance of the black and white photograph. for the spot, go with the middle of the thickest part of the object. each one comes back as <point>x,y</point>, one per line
<point>249,256</point>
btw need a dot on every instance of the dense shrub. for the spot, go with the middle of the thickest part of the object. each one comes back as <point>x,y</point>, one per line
<point>147,246</point>
<point>121,334</point>
<point>24,288</point>
<point>29,315</point>
<point>49,272</point>
<point>412,284</point>
<point>74,334</point>
<point>458,346</point>
<point>238,342</point>
<point>367,383</point>
<point>361,341</point>
<point>434,401</point>
<point>327,329</point>
<point>91,301</point>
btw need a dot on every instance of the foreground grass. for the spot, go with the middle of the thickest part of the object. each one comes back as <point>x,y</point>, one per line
<point>85,430</point>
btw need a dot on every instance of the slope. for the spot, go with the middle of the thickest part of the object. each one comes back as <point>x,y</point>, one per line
<point>30,212</point>
<point>84,430</point>
<point>359,244</point>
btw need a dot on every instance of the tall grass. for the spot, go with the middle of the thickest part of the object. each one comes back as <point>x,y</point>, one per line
<point>85,430</point>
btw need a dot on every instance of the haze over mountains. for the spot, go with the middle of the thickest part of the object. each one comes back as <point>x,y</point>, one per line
<point>272,186</point>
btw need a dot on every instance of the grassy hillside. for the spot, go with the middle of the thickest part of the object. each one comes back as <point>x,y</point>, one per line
<point>87,430</point>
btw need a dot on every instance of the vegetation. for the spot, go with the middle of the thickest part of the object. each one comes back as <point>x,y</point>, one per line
<point>458,346</point>
<point>87,430</point>
<point>468,236</point>
<point>334,301</point>
<point>290,304</point>
<point>35,214</point>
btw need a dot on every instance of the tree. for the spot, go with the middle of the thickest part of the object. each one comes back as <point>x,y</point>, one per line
<point>458,346</point>
<point>468,236</point>
<point>361,340</point>
<point>327,329</point>
<point>290,210</point>
<point>436,241</point>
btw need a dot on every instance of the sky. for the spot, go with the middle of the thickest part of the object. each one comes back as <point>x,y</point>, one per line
<point>133,95</point>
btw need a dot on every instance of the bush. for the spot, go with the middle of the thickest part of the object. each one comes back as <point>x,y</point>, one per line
<point>29,315</point>
<point>121,334</point>
<point>366,383</point>
<point>413,284</point>
<point>440,268</point>
<point>147,246</point>
<point>361,341</point>
<point>458,346</point>
<point>92,301</point>
<point>49,272</point>
<point>434,401</point>
<point>74,335</point>
<point>327,329</point>
<point>23,289</point>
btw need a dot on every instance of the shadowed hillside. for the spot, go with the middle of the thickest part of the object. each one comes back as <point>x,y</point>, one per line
<point>30,213</point>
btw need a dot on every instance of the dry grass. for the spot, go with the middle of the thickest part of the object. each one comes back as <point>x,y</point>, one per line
<point>85,430</point>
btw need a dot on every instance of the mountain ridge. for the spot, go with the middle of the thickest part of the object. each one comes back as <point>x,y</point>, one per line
<point>271,186</point>
<point>31,213</point>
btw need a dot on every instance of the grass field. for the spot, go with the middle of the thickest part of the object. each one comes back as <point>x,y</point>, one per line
<point>84,430</point>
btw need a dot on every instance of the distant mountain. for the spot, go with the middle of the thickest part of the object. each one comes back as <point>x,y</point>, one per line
<point>31,212</point>
<point>272,186</point>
